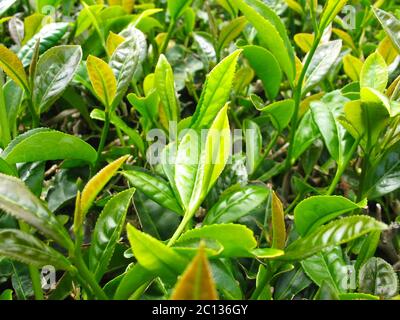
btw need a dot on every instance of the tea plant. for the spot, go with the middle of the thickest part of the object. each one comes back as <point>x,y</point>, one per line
<point>199,149</point>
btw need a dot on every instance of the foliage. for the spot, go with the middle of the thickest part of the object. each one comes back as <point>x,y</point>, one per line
<point>200,149</point>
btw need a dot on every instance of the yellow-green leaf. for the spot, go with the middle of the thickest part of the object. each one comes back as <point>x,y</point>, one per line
<point>387,50</point>
<point>196,283</point>
<point>126,4</point>
<point>278,223</point>
<point>331,9</point>
<point>103,80</point>
<point>94,186</point>
<point>304,41</point>
<point>374,73</point>
<point>113,41</point>
<point>352,67</point>
<point>347,39</point>
<point>13,67</point>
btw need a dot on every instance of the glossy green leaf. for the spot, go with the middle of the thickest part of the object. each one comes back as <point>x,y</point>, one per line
<point>196,283</point>
<point>280,112</point>
<point>236,204</point>
<point>17,200</point>
<point>384,176</point>
<point>215,92</point>
<point>5,5</point>
<point>23,247</point>
<point>147,107</point>
<point>108,231</point>
<point>331,9</point>
<point>374,73</point>
<point>316,211</point>
<point>7,169</point>
<point>266,67</point>
<point>45,144</point>
<point>54,71</point>
<point>49,35</point>
<point>237,240</point>
<point>390,24</point>
<point>132,280</point>
<point>325,113</point>
<point>124,63</point>
<point>155,256</point>
<point>306,134</point>
<point>368,248</point>
<point>253,145</point>
<point>377,277</point>
<point>291,283</point>
<point>321,63</point>
<point>166,89</point>
<point>177,7</point>
<point>271,32</point>
<point>335,233</point>
<point>230,32</point>
<point>154,187</point>
<point>6,295</point>
<point>196,171</point>
<point>328,266</point>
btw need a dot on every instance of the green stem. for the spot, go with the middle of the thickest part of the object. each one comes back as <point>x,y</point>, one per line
<point>263,281</point>
<point>33,271</point>
<point>342,167</point>
<point>167,37</point>
<point>5,129</point>
<point>103,138</point>
<point>297,98</point>
<point>186,218</point>
<point>266,152</point>
<point>34,115</point>
<point>88,277</point>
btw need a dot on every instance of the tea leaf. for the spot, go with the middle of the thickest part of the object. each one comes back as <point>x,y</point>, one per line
<point>155,188</point>
<point>23,247</point>
<point>13,67</point>
<point>317,210</point>
<point>97,183</point>
<point>54,71</point>
<point>45,144</point>
<point>102,79</point>
<point>17,200</point>
<point>332,234</point>
<point>108,231</point>
<point>196,283</point>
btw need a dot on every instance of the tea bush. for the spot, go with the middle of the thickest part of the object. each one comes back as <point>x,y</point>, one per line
<point>199,149</point>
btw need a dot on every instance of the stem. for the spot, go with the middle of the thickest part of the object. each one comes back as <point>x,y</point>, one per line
<point>266,152</point>
<point>265,278</point>
<point>297,98</point>
<point>167,37</point>
<point>33,271</point>
<point>103,138</point>
<point>87,276</point>
<point>5,129</point>
<point>186,218</point>
<point>342,167</point>
<point>34,115</point>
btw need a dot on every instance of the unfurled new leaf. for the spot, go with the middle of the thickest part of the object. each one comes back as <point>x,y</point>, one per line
<point>103,80</point>
<point>13,67</point>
